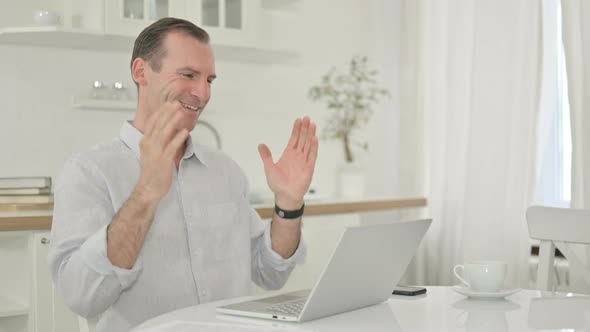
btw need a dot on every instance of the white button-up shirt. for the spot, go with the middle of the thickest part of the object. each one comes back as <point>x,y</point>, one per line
<point>205,243</point>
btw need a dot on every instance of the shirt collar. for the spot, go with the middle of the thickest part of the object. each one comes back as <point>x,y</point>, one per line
<point>131,136</point>
<point>198,150</point>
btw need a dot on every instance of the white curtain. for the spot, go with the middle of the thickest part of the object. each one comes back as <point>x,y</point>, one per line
<point>478,83</point>
<point>576,38</point>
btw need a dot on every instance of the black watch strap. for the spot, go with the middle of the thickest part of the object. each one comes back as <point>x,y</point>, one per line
<point>289,214</point>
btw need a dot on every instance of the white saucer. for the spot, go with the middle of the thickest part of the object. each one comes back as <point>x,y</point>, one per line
<point>461,289</point>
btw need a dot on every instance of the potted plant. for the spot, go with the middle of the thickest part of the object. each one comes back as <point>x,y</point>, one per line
<point>349,97</point>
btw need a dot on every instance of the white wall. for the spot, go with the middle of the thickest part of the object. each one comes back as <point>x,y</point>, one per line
<point>251,103</point>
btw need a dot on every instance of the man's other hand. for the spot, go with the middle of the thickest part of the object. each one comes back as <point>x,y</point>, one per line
<point>159,146</point>
<point>290,177</point>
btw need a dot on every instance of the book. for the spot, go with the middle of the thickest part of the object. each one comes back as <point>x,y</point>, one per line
<point>25,182</point>
<point>26,199</point>
<point>24,191</point>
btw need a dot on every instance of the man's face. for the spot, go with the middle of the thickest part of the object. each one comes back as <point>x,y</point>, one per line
<point>186,73</point>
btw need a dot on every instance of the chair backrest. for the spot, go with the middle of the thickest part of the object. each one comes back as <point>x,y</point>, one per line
<point>87,325</point>
<point>558,228</point>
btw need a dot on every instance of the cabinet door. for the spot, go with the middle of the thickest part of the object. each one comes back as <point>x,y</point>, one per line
<point>130,17</point>
<point>42,287</point>
<point>228,22</point>
<point>48,312</point>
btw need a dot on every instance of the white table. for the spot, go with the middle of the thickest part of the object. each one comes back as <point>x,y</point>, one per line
<point>441,309</point>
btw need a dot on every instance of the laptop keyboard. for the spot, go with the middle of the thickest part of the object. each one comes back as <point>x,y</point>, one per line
<point>292,308</point>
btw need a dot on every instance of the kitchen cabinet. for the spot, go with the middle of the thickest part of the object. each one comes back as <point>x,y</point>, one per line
<point>41,286</point>
<point>228,22</point>
<point>44,296</point>
<point>28,301</point>
<point>238,28</point>
<point>14,280</point>
<point>129,17</point>
<point>232,22</point>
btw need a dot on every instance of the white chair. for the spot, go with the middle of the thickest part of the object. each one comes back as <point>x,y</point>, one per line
<point>557,228</point>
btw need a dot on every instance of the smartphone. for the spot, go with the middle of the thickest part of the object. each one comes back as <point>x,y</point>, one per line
<point>408,290</point>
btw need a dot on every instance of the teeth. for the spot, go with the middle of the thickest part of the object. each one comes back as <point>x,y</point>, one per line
<point>192,108</point>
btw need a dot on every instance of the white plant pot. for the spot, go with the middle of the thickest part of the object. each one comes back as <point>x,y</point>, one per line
<point>350,180</point>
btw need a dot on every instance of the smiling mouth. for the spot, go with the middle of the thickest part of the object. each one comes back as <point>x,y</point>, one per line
<point>190,107</point>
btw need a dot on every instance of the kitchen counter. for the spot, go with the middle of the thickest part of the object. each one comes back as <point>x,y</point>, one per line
<point>38,216</point>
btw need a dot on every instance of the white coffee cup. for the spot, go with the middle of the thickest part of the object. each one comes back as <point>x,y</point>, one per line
<point>482,276</point>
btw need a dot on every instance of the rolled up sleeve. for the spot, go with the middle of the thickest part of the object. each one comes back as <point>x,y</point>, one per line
<point>276,260</point>
<point>81,270</point>
<point>94,253</point>
<point>269,269</point>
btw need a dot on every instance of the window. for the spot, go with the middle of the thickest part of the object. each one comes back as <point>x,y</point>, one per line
<point>555,144</point>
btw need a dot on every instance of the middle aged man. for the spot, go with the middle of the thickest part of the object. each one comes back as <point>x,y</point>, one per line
<point>151,222</point>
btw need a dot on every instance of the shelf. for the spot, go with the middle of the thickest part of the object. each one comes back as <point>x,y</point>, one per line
<point>280,4</point>
<point>94,104</point>
<point>60,37</point>
<point>25,207</point>
<point>10,308</point>
<point>25,221</point>
<point>349,206</point>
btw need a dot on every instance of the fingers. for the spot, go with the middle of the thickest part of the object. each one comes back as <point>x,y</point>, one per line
<point>154,121</point>
<point>162,129</point>
<point>167,113</point>
<point>265,155</point>
<point>294,134</point>
<point>302,136</point>
<point>303,133</point>
<point>176,143</point>
<point>151,123</point>
<point>313,152</point>
<point>166,134</point>
<point>309,139</point>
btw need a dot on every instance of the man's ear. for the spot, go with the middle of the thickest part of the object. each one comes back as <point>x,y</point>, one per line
<point>138,71</point>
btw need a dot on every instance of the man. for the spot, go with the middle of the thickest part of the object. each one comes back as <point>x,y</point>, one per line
<point>152,222</point>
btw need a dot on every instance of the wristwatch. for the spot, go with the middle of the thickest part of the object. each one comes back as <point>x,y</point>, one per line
<point>289,214</point>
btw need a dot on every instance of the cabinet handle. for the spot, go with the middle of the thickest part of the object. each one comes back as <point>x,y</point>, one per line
<point>45,240</point>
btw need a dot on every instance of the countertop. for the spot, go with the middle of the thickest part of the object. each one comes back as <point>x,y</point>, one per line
<point>38,216</point>
<point>440,309</point>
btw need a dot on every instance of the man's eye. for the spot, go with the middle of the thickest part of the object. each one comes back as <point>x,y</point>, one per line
<point>210,81</point>
<point>188,75</point>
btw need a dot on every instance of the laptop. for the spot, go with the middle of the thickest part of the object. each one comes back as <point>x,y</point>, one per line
<point>363,270</point>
